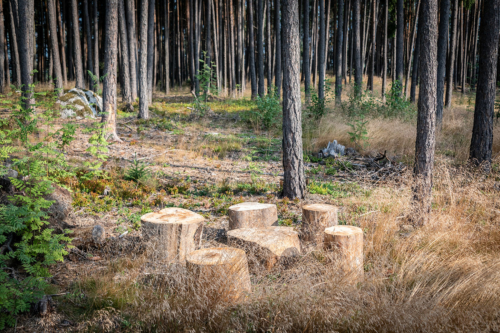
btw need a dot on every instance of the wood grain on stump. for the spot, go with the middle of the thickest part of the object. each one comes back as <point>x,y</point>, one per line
<point>266,246</point>
<point>220,272</point>
<point>174,232</point>
<point>252,215</point>
<point>315,218</point>
<point>347,241</point>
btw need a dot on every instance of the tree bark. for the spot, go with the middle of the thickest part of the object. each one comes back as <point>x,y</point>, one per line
<point>93,85</point>
<point>96,40</point>
<point>124,66</point>
<point>130,9</point>
<point>251,49</point>
<point>386,54</point>
<point>208,40</point>
<point>55,48</point>
<point>451,52</point>
<point>260,46</point>
<point>143,61</point>
<point>80,81</point>
<point>321,51</point>
<point>400,42</point>
<point>426,122</point>
<point>25,11</point>
<point>358,71</point>
<point>444,24</point>
<point>150,48</point>
<point>482,131</point>
<point>306,68</point>
<point>167,46</point>
<point>293,163</point>
<point>414,74</point>
<point>277,27</point>
<point>374,44</point>
<point>14,47</point>
<point>268,48</point>
<point>339,61</point>
<point>2,50</point>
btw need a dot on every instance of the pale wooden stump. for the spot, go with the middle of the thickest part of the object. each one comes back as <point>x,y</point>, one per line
<point>268,246</point>
<point>315,218</point>
<point>174,232</point>
<point>347,241</point>
<point>220,272</point>
<point>252,215</point>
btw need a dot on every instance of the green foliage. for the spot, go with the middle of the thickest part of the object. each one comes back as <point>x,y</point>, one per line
<point>138,171</point>
<point>66,135</point>
<point>268,111</point>
<point>359,132</point>
<point>96,80</point>
<point>206,76</point>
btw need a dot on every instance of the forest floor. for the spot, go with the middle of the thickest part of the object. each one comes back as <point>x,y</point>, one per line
<point>442,277</point>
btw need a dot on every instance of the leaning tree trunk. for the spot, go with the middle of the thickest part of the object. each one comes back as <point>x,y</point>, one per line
<point>306,68</point>
<point>400,43</point>
<point>55,47</point>
<point>143,62</point>
<point>482,131</point>
<point>251,50</point>
<point>451,52</point>
<point>339,62</point>
<point>80,81</point>
<point>150,47</point>
<point>25,58</point>
<point>124,65</point>
<point>277,27</point>
<point>294,185</point>
<point>260,46</point>
<point>358,71</point>
<point>414,74</point>
<point>2,49</point>
<point>426,122</point>
<point>444,24</point>
<point>384,75</point>
<point>321,50</point>
<point>93,84</point>
<point>110,64</point>
<point>132,40</point>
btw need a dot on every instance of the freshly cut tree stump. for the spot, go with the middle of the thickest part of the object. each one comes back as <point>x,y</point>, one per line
<point>252,215</point>
<point>220,273</point>
<point>315,218</point>
<point>268,246</point>
<point>174,232</point>
<point>347,241</point>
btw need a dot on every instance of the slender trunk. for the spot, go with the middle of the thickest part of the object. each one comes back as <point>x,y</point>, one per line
<point>2,50</point>
<point>124,66</point>
<point>358,71</point>
<point>80,81</point>
<point>400,42</point>
<point>482,131</point>
<point>306,68</point>
<point>96,41</point>
<point>321,50</point>
<point>374,44</point>
<point>14,47</point>
<point>208,39</point>
<point>339,62</point>
<point>268,47</point>
<point>251,50</point>
<point>294,185</point>
<point>386,45</point>
<point>414,74</point>
<point>167,46</point>
<point>260,46</point>
<point>451,59</point>
<point>426,121</point>
<point>143,61</point>
<point>277,27</point>
<point>55,48</point>
<point>150,48</point>
<point>26,12</point>
<point>412,47</point>
<point>444,24</point>
<point>132,40</point>
<point>92,83</point>
<point>464,54</point>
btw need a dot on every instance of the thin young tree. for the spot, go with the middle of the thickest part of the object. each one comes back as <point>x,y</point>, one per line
<point>358,71</point>
<point>14,48</point>
<point>426,119</point>
<point>86,19</point>
<point>26,12</point>
<point>260,46</point>
<point>306,60</point>
<point>110,66</point>
<point>451,58</point>
<point>373,47</point>
<point>482,131</point>
<point>55,47</point>
<point>150,47</point>
<point>444,24</point>
<point>400,42</point>
<point>321,51</point>
<point>251,50</point>
<point>2,49</point>
<point>339,51</point>
<point>132,40</point>
<point>143,62</point>
<point>208,38</point>
<point>294,185</point>
<point>80,81</point>
<point>384,74</point>
<point>96,38</point>
<point>125,61</point>
<point>167,45</point>
<point>277,27</point>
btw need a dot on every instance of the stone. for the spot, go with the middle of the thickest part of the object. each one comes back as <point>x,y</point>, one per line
<point>80,103</point>
<point>333,149</point>
<point>220,273</point>
<point>173,232</point>
<point>267,247</point>
<point>98,234</point>
<point>61,208</point>
<point>315,218</point>
<point>347,244</point>
<point>252,215</point>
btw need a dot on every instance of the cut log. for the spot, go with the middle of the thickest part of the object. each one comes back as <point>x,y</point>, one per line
<point>173,232</point>
<point>220,273</point>
<point>252,215</point>
<point>315,218</point>
<point>347,242</point>
<point>266,247</point>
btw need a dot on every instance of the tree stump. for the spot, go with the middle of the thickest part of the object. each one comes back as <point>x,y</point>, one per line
<point>252,215</point>
<point>347,241</point>
<point>174,232</point>
<point>266,247</point>
<point>220,273</point>
<point>315,218</point>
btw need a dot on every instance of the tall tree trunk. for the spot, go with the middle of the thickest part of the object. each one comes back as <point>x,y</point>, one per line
<point>277,27</point>
<point>55,47</point>
<point>412,47</point>
<point>26,13</point>
<point>143,61</point>
<point>426,122</point>
<point>464,54</point>
<point>294,185</point>
<point>251,50</point>
<point>132,40</point>
<point>151,48</point>
<point>167,46</point>
<point>268,47</point>
<point>444,24</point>
<point>339,62</point>
<point>90,67</point>
<point>80,81</point>
<point>2,50</point>
<point>306,59</point>
<point>110,65</point>
<point>386,54</point>
<point>358,71</point>
<point>414,74</point>
<point>260,46</point>
<point>62,42</point>
<point>374,43</point>
<point>208,40</point>
<point>195,47</point>
<point>451,52</point>
<point>14,47</point>
<point>96,39</point>
<point>400,42</point>
<point>321,50</point>
<point>482,131</point>
<point>125,63</point>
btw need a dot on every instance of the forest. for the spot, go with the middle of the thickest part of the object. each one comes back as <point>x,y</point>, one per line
<point>249,166</point>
